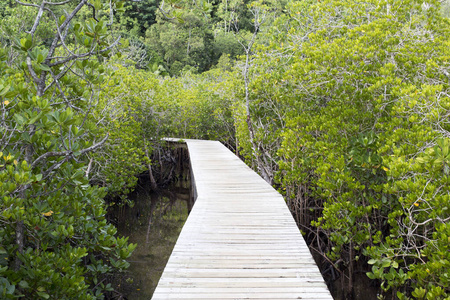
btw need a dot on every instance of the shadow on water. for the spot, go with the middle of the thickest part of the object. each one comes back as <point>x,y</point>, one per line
<point>154,223</point>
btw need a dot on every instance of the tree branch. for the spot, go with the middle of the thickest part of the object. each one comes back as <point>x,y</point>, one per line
<point>32,72</point>
<point>38,19</point>
<point>93,147</point>
<point>84,55</point>
<point>70,155</point>
<point>49,154</point>
<point>63,25</point>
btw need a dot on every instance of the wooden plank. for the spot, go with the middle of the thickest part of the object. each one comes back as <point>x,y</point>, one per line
<point>243,295</point>
<point>240,240</point>
<point>242,282</point>
<point>239,290</point>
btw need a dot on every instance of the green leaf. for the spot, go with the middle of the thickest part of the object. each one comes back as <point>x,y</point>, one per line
<point>39,58</point>
<point>385,263</point>
<point>44,67</point>
<point>23,284</point>
<point>35,118</point>
<point>38,177</point>
<point>43,295</point>
<point>180,20</point>
<point>19,119</point>
<point>62,19</point>
<point>4,91</point>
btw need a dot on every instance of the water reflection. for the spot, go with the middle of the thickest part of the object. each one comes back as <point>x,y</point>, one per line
<point>154,223</point>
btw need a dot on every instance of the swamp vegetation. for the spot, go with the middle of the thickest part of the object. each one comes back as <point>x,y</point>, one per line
<point>342,105</point>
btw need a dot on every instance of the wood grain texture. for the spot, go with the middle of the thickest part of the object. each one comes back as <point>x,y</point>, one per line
<point>240,240</point>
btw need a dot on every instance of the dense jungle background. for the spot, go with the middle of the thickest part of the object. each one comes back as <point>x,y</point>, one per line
<point>342,105</point>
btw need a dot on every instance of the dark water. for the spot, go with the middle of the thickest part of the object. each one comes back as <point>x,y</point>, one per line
<point>154,223</point>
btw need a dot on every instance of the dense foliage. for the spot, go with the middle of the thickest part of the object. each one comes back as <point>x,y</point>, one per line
<point>352,105</point>
<point>342,105</point>
<point>184,36</point>
<point>54,238</point>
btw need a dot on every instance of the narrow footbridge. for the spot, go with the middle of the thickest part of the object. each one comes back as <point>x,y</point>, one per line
<point>240,240</point>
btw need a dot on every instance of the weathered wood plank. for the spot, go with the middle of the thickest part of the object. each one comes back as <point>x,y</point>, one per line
<point>234,290</point>
<point>240,240</point>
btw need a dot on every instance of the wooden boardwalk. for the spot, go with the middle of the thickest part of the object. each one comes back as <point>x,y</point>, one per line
<point>240,240</point>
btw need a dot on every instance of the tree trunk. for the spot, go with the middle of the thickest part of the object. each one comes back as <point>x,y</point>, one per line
<point>153,184</point>
<point>20,227</point>
<point>20,244</point>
